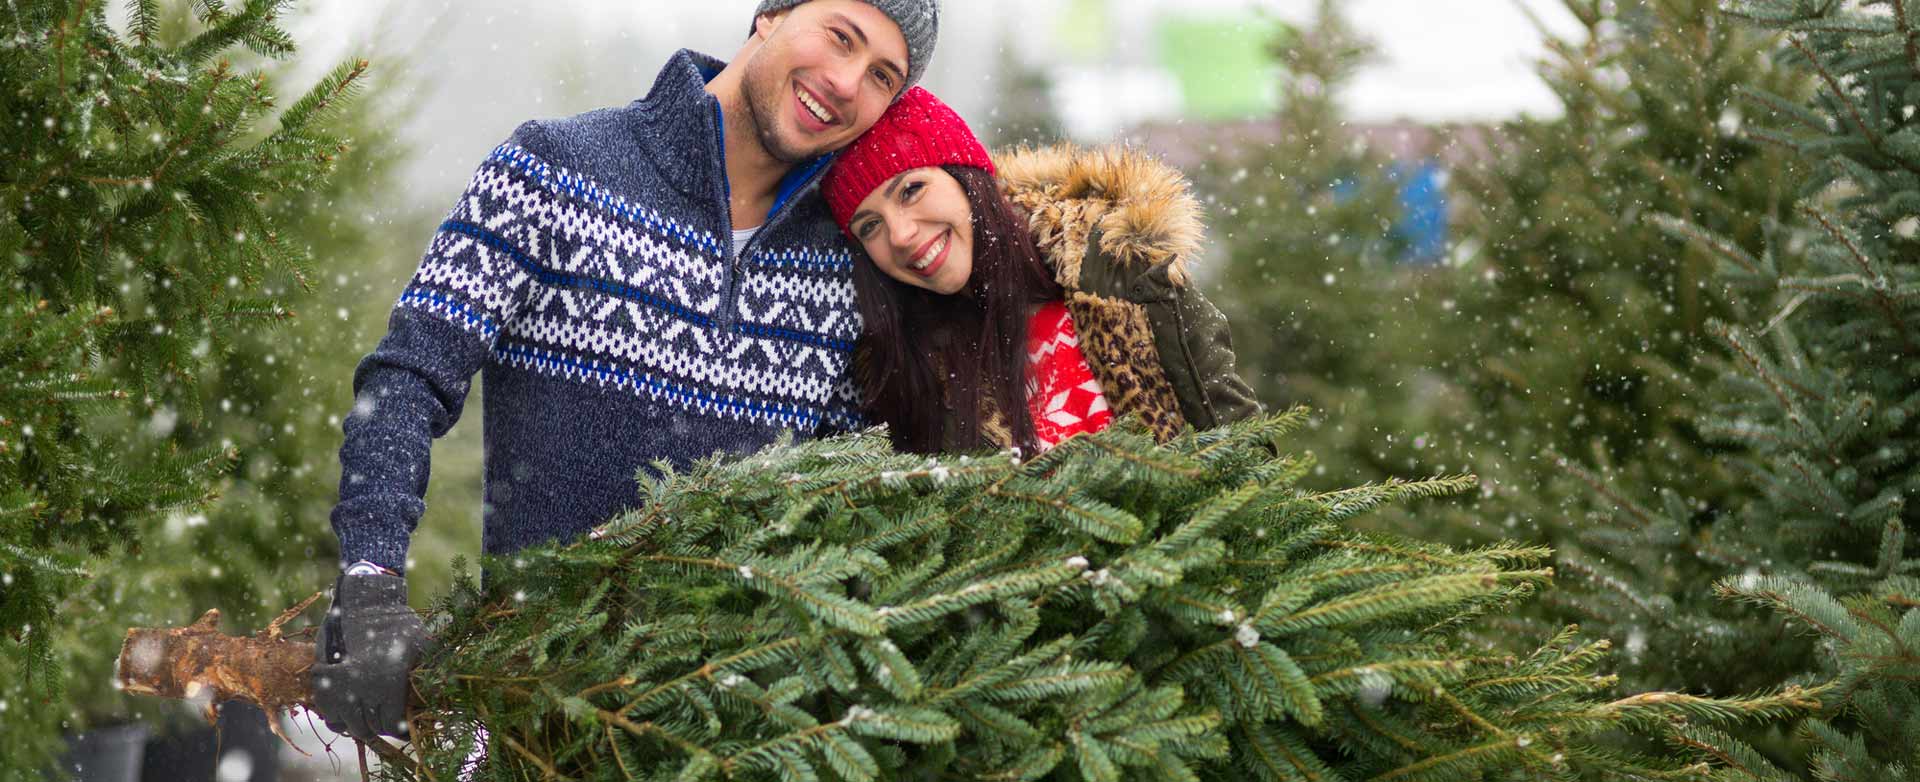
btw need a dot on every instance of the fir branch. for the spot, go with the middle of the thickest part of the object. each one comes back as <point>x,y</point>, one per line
<point>1282,756</point>
<point>1092,517</point>
<point>1461,762</point>
<point>1020,582</point>
<point>1405,597</point>
<point>253,27</point>
<point>1217,511</point>
<point>1692,234</point>
<point>517,747</point>
<point>706,672</point>
<point>1345,503</point>
<point>1873,135</point>
<point>1888,308</point>
<point>323,101</point>
<point>1909,37</point>
<point>1634,510</point>
<point>1269,429</point>
<point>833,609</point>
<point>49,563</point>
<point>1662,706</point>
<point>1367,716</point>
<point>1159,460</point>
<point>1808,604</point>
<point>1775,383</point>
<point>1420,671</point>
<point>1777,139</point>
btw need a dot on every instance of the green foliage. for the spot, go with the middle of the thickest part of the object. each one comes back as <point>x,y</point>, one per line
<point>1588,315</point>
<point>1022,112</point>
<point>277,396</point>
<point>1554,353</point>
<point>1108,610</point>
<point>1304,222</point>
<point>1598,387</point>
<point>140,225</point>
<point>1819,389</point>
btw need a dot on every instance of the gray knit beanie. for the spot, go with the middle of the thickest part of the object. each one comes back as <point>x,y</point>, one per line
<point>919,22</point>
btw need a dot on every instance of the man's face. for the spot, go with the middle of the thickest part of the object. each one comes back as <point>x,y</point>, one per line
<point>825,72</point>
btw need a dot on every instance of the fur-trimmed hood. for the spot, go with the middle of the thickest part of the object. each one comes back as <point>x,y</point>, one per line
<point>1144,209</point>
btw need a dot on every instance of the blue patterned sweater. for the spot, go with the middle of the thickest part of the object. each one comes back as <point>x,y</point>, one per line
<point>585,274</point>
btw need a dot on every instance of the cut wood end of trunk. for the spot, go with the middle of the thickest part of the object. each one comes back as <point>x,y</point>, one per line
<point>198,663</point>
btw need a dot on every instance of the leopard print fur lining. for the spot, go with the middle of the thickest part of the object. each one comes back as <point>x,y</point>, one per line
<point>1117,340</point>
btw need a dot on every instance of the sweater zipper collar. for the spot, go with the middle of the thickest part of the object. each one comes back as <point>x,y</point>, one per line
<point>795,182</point>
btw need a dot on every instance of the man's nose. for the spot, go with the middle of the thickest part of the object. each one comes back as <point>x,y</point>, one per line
<point>844,79</point>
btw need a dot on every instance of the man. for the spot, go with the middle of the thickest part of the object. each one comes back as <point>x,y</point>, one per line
<point>658,281</point>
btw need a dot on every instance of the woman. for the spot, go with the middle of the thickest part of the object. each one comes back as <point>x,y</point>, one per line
<point>1021,301</point>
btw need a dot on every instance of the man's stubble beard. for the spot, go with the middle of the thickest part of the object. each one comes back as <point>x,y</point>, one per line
<point>764,110</point>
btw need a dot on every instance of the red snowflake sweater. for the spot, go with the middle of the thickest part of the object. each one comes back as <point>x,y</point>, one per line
<point>1062,394</point>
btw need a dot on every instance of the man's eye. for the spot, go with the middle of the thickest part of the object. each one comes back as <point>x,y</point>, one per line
<point>842,38</point>
<point>885,80</point>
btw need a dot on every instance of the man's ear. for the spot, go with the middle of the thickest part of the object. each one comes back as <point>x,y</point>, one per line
<point>765,24</point>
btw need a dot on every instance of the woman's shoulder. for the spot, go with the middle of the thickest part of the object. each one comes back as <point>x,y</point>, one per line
<point>1130,206</point>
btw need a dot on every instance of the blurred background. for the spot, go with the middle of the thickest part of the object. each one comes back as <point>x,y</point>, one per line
<point>1095,70</point>
<point>1426,221</point>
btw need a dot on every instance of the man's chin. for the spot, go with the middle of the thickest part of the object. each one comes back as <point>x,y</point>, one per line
<point>787,150</point>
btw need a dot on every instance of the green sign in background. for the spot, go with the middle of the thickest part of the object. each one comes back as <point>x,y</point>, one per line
<point>1224,65</point>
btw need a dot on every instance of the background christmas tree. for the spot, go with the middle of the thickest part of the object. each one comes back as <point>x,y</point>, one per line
<point>1816,402</point>
<point>1023,108</point>
<point>148,234</point>
<point>1553,353</point>
<point>1587,317</point>
<point>1304,222</point>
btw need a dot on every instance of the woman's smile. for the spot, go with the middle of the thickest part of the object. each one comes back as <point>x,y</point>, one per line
<point>932,256</point>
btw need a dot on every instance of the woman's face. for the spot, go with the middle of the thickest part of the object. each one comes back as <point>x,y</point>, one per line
<point>919,229</point>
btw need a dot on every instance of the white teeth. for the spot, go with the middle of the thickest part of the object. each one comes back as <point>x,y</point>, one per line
<point>932,252</point>
<point>819,111</point>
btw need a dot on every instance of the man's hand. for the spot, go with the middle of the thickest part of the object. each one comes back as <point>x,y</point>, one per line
<point>367,648</point>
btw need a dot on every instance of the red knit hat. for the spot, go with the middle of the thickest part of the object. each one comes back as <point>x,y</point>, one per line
<point>915,132</point>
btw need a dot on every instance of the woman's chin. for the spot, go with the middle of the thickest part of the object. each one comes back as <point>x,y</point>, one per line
<point>952,279</point>
<point>949,287</point>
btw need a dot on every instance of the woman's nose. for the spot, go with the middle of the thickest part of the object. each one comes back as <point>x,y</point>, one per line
<point>902,234</point>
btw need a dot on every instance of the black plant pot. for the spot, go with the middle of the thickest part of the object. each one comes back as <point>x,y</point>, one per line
<point>243,750</point>
<point>104,754</point>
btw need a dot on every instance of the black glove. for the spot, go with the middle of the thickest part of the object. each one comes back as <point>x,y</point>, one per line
<point>367,648</point>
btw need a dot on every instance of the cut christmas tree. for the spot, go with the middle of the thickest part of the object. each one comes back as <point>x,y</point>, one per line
<point>1109,610</point>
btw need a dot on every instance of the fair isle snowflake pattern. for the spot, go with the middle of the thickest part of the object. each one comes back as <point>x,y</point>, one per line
<point>560,278</point>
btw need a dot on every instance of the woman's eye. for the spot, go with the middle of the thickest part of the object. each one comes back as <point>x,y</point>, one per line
<point>912,189</point>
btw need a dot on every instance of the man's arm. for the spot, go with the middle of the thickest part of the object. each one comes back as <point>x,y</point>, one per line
<point>475,276</point>
<point>844,411</point>
<point>412,387</point>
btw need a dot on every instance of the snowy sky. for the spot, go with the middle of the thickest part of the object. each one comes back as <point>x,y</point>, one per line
<point>473,69</point>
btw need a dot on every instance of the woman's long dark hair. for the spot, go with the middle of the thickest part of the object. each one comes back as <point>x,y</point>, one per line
<point>978,338</point>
